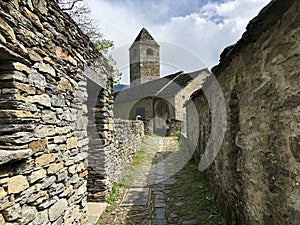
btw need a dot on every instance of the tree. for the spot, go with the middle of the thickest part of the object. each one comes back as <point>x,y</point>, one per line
<point>81,13</point>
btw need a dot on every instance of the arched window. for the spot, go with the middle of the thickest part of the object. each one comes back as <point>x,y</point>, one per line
<point>149,51</point>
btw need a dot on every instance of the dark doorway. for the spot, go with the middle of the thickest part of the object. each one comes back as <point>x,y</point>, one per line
<point>141,111</point>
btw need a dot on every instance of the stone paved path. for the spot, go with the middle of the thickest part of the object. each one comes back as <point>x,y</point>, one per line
<point>180,199</point>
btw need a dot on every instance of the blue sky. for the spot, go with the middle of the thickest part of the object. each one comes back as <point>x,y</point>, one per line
<point>203,27</point>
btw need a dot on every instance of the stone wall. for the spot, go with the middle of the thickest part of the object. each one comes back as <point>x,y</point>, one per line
<point>100,131</point>
<point>123,137</point>
<point>128,138</point>
<point>256,173</point>
<point>43,113</point>
<point>174,127</point>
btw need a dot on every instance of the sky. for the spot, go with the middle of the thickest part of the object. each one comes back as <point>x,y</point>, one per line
<point>187,30</point>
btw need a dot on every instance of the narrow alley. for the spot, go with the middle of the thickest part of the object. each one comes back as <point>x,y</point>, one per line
<point>143,196</point>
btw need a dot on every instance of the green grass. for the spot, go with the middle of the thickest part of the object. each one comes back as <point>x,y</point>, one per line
<point>138,160</point>
<point>113,194</point>
<point>127,174</point>
<point>209,202</point>
<point>143,139</point>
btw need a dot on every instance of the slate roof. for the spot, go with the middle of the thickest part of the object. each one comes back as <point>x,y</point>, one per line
<point>145,37</point>
<point>163,87</point>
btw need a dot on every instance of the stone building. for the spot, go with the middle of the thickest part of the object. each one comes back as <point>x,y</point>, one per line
<point>144,59</point>
<point>150,96</point>
<point>256,173</point>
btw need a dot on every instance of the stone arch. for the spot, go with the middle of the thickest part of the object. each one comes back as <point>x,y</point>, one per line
<point>163,110</point>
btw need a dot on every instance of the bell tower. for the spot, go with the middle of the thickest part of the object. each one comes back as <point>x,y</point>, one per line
<point>144,59</point>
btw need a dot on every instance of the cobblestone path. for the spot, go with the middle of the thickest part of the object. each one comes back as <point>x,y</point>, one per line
<point>182,198</point>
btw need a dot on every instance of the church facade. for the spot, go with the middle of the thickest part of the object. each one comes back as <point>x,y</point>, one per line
<point>151,98</point>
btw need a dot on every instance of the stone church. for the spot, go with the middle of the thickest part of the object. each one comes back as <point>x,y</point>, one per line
<point>151,96</point>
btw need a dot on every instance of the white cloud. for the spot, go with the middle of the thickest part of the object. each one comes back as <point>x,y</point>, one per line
<point>206,30</point>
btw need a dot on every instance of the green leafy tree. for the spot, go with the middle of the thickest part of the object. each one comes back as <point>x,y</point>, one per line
<point>81,13</point>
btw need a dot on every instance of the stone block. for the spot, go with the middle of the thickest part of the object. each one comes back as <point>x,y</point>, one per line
<point>4,180</point>
<point>42,6</point>
<point>49,116</point>
<point>37,175</point>
<point>22,199</point>
<point>81,167</point>
<point>14,128</point>
<point>17,138</point>
<point>65,85</point>
<point>32,17</point>
<point>61,177</point>
<point>48,181</point>
<point>58,100</point>
<point>40,194</point>
<point>42,131</point>
<point>83,218</point>
<point>42,99</point>
<point>82,189</point>
<point>25,88</point>
<point>37,146</point>
<point>2,220</point>
<point>44,159</point>
<point>57,209</point>
<point>28,214</point>
<point>72,169</point>
<point>16,75</point>
<point>71,143</point>
<point>41,218</point>
<point>47,203</point>
<point>83,174</point>
<point>6,203</point>
<point>56,147</point>
<point>3,193</point>
<point>56,189</point>
<point>81,156</point>
<point>59,139</point>
<point>55,167</point>
<point>16,66</point>
<point>74,178</point>
<point>17,184</point>
<point>12,213</point>
<point>7,31</point>
<point>67,192</point>
<point>34,56</point>
<point>16,114</point>
<point>46,68</point>
<point>7,156</point>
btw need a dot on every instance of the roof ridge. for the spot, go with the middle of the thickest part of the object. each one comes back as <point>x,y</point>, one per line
<point>171,81</point>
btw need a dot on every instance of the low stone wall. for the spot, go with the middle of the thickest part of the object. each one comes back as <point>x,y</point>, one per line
<point>171,128</point>
<point>175,128</point>
<point>43,114</point>
<point>256,173</point>
<point>128,138</point>
<point>123,137</point>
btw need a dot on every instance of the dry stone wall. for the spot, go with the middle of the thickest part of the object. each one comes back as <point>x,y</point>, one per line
<point>256,173</point>
<point>128,138</point>
<point>43,113</point>
<point>123,138</point>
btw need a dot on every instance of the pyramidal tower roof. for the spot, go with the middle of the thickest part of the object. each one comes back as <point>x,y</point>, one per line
<point>145,36</point>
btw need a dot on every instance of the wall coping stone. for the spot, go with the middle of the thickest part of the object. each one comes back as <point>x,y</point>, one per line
<point>14,155</point>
